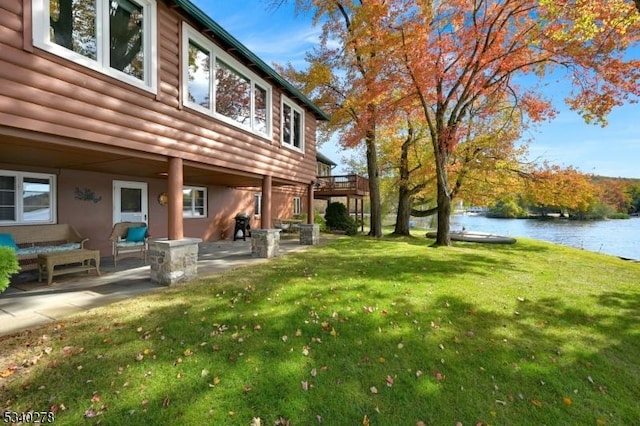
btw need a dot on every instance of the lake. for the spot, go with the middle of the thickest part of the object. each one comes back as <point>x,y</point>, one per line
<point>615,237</point>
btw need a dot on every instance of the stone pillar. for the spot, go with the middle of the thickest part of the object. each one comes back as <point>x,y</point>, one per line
<point>265,242</point>
<point>173,261</point>
<point>309,234</point>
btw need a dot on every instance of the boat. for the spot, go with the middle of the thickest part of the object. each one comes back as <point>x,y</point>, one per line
<point>475,237</point>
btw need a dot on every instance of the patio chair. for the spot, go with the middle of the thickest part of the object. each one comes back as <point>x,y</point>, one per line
<point>129,239</point>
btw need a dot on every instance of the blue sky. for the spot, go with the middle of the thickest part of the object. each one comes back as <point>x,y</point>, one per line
<point>280,36</point>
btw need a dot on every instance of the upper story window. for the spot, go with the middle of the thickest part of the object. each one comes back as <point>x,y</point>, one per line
<point>218,85</point>
<point>115,37</point>
<point>292,125</point>
<point>26,198</point>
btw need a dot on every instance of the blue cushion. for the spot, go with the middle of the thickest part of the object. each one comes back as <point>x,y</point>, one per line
<point>136,234</point>
<point>6,240</point>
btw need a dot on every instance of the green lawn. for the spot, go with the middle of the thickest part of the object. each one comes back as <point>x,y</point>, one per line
<point>357,331</point>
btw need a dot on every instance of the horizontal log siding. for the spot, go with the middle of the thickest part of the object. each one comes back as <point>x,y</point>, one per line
<point>48,94</point>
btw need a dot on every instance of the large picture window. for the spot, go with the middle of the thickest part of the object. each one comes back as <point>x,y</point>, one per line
<point>292,133</point>
<point>218,85</point>
<point>115,37</point>
<point>26,198</point>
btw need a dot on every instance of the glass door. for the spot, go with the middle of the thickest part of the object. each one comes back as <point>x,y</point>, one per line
<point>130,201</point>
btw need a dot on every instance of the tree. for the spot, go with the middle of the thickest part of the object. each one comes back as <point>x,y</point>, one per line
<point>458,54</point>
<point>561,189</point>
<point>348,80</point>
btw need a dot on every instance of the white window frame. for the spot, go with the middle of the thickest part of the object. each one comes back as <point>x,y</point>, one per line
<point>294,108</point>
<point>19,200</point>
<point>41,39</point>
<point>257,204</point>
<point>192,214</point>
<point>297,205</point>
<point>190,34</point>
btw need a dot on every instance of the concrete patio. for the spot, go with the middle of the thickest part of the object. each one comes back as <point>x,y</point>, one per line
<point>27,303</point>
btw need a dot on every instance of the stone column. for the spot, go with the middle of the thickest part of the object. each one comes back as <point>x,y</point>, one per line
<point>309,234</point>
<point>265,242</point>
<point>173,261</point>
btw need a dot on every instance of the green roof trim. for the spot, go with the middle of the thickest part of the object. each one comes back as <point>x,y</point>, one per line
<point>324,159</point>
<point>227,38</point>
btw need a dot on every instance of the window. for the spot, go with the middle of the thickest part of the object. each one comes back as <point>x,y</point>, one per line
<point>194,202</point>
<point>26,198</point>
<point>218,85</point>
<point>257,204</point>
<point>115,37</point>
<point>297,205</point>
<point>292,125</point>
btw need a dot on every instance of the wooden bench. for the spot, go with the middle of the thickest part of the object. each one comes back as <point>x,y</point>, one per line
<point>33,240</point>
<point>79,261</point>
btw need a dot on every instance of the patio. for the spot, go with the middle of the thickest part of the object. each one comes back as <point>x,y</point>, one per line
<point>27,303</point>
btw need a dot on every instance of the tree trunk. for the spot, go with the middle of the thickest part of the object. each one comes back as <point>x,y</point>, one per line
<point>375,229</point>
<point>444,217</point>
<point>404,212</point>
<point>444,196</point>
<point>404,193</point>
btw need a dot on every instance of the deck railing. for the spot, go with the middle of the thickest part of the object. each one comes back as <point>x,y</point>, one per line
<point>347,184</point>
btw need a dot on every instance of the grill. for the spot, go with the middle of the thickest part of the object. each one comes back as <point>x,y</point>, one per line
<point>242,228</point>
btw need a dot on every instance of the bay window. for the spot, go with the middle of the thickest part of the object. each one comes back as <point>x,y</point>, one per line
<point>115,37</point>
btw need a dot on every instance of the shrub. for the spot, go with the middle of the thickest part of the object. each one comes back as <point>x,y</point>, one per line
<point>8,266</point>
<point>338,219</point>
<point>319,220</point>
<point>508,209</point>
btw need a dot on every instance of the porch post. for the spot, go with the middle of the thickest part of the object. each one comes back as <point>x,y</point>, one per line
<point>265,219</point>
<point>310,209</point>
<point>174,187</point>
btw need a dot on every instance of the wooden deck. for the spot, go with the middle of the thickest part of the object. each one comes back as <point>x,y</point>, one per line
<point>341,185</point>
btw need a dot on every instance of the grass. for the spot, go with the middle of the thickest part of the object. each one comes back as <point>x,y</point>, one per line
<point>357,331</point>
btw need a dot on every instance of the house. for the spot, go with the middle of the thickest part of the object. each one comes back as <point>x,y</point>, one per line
<point>145,110</point>
<point>341,188</point>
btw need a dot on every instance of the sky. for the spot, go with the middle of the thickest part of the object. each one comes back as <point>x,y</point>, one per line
<point>280,36</point>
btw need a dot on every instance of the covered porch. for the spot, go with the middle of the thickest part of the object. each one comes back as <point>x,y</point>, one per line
<point>84,193</point>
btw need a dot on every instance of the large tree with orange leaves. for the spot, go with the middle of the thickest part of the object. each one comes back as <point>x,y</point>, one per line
<point>463,57</point>
<point>458,55</point>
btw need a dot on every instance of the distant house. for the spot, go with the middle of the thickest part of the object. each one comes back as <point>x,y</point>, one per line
<point>145,110</point>
<point>343,188</point>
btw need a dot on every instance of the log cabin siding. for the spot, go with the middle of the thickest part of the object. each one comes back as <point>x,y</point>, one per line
<point>45,93</point>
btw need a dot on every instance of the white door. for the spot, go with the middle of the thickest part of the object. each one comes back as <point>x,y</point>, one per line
<point>130,201</point>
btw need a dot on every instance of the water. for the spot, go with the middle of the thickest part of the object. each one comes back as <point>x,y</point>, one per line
<point>614,237</point>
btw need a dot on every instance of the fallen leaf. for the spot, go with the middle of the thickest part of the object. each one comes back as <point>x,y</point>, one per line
<point>373,389</point>
<point>567,401</point>
<point>365,421</point>
<point>256,421</point>
<point>6,373</point>
<point>536,403</point>
<point>389,381</point>
<point>305,385</point>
